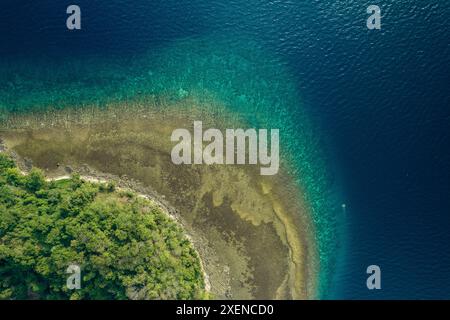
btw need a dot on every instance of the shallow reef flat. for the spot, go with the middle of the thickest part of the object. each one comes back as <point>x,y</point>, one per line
<point>113,113</point>
<point>253,232</point>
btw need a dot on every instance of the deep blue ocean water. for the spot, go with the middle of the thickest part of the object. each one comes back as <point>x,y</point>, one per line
<point>379,102</point>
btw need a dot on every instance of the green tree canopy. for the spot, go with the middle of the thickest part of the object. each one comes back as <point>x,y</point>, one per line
<point>125,246</point>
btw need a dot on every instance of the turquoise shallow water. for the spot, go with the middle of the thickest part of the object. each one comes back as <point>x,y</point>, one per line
<point>252,84</point>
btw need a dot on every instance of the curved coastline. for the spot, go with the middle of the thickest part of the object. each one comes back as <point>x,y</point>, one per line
<point>30,138</point>
<point>170,212</point>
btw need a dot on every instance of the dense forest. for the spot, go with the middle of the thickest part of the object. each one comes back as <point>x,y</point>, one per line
<point>125,246</point>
